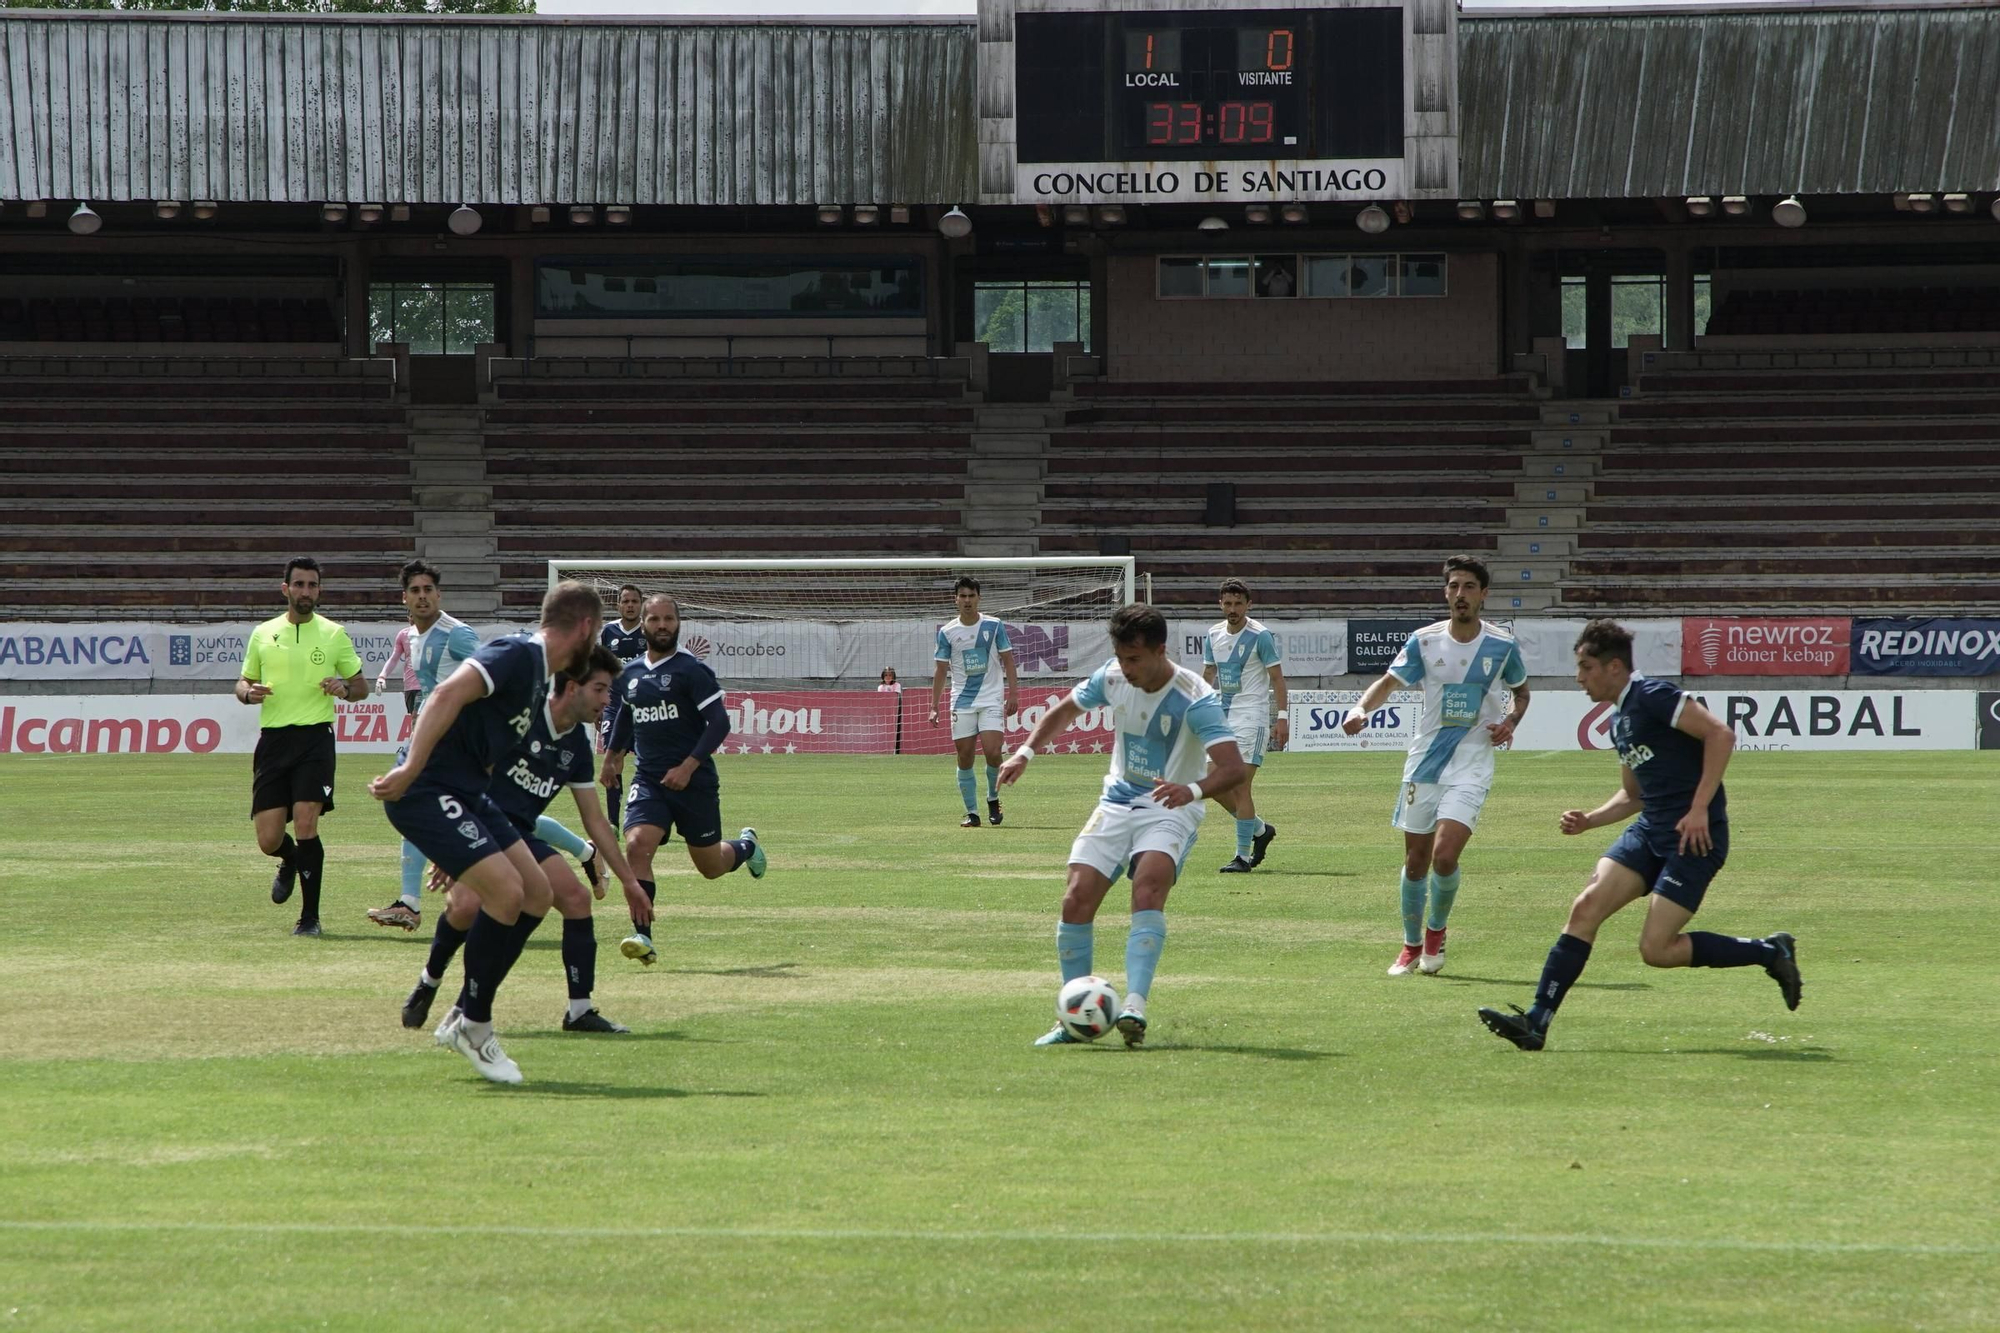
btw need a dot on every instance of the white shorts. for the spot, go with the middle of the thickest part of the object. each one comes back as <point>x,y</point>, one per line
<point>1114,835</point>
<point>1253,729</point>
<point>972,721</point>
<point>1420,805</point>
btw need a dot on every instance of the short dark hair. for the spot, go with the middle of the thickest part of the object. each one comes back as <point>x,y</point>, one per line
<point>1607,641</point>
<point>571,603</point>
<point>964,581</point>
<point>417,569</point>
<point>300,562</point>
<point>624,588</point>
<point>1139,623</point>
<point>1476,568</point>
<point>601,661</point>
<point>1236,586</point>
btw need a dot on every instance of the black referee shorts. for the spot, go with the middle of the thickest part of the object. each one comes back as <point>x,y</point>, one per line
<point>292,764</point>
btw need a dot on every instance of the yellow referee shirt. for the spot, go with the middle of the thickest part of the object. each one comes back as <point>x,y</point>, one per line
<point>293,660</point>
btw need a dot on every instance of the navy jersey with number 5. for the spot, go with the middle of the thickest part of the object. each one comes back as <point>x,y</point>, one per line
<point>515,669</point>
<point>660,714</point>
<point>1665,761</point>
<point>542,764</point>
<point>626,643</point>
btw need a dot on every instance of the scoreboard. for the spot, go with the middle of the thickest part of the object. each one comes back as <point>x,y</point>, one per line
<point>1136,101</point>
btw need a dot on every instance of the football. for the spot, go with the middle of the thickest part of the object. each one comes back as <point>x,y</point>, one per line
<point>1087,1007</point>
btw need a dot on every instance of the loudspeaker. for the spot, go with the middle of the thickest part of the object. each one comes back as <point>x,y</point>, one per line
<point>1221,511</point>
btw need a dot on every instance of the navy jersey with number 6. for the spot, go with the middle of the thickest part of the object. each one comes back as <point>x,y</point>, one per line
<point>515,669</point>
<point>659,714</point>
<point>1666,761</point>
<point>544,763</point>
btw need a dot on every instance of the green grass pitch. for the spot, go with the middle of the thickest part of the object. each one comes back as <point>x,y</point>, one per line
<point>830,1115</point>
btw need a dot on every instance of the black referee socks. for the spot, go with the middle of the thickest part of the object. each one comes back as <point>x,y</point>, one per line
<point>309,856</point>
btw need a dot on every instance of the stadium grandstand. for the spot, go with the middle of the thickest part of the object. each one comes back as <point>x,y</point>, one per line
<point>1653,307</point>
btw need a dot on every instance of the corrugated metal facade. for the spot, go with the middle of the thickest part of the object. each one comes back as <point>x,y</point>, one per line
<point>1861,102</point>
<point>421,111</point>
<point>485,112</point>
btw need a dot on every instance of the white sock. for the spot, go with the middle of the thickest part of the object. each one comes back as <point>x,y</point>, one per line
<point>578,1008</point>
<point>478,1032</point>
<point>414,904</point>
<point>1135,1004</point>
<point>425,978</point>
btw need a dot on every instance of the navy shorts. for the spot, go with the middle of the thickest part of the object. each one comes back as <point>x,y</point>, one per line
<point>1654,853</point>
<point>538,849</point>
<point>696,811</point>
<point>451,829</point>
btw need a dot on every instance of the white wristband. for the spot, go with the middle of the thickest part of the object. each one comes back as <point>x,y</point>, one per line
<point>1284,714</point>
<point>1194,790</point>
<point>1025,753</point>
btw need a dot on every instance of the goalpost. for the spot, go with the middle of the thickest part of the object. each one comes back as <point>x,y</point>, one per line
<point>801,645</point>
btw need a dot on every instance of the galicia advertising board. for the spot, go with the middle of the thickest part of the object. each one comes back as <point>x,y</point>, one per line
<point>1778,720</point>
<point>1926,647</point>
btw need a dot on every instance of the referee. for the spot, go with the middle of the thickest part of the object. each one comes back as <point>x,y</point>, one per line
<point>295,666</point>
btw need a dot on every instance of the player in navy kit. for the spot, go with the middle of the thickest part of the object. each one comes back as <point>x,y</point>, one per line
<point>1673,751</point>
<point>436,797</point>
<point>626,637</point>
<point>556,753</point>
<point>668,709</point>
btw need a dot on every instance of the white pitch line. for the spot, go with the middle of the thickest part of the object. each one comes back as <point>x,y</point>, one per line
<point>1014,1237</point>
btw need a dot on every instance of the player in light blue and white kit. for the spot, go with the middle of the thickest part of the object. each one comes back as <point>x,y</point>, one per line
<point>1173,749</point>
<point>967,645</point>
<point>1240,659</point>
<point>1465,667</point>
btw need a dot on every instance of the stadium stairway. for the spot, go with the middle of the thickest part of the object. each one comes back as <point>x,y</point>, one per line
<point>1005,479</point>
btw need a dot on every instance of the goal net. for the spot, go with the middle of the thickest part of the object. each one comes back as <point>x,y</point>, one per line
<point>801,646</point>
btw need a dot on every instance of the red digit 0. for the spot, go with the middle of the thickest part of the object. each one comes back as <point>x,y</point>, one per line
<point>1278,53</point>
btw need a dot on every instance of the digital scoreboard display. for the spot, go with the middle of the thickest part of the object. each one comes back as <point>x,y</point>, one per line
<point>1209,85</point>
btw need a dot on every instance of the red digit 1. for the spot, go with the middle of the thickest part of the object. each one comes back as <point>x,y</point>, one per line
<point>1159,122</point>
<point>1260,122</point>
<point>1231,122</point>
<point>1190,126</point>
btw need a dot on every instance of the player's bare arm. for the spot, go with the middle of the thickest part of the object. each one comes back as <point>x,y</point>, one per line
<point>1281,727</point>
<point>1051,726</point>
<point>1624,803</point>
<point>1371,699</point>
<point>1503,730</point>
<point>1226,772</point>
<point>612,767</point>
<point>1718,742</point>
<point>466,685</point>
<point>598,829</point>
<point>938,678</point>
<point>1012,702</point>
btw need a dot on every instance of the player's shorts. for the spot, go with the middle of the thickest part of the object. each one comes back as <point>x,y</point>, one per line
<point>696,811</point>
<point>1653,853</point>
<point>1420,805</point>
<point>1252,727</point>
<point>1114,836</point>
<point>410,698</point>
<point>538,849</point>
<point>451,829</point>
<point>972,721</point>
<point>292,764</point>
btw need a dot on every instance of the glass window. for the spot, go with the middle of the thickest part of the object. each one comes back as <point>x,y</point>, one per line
<point>1326,275</point>
<point>1031,316</point>
<point>1638,305</point>
<point>1575,324</point>
<point>1703,306</point>
<point>1229,276</point>
<point>1422,275</point>
<point>729,288</point>
<point>1277,275</point>
<point>1370,275</point>
<point>431,318</point>
<point>1180,277</point>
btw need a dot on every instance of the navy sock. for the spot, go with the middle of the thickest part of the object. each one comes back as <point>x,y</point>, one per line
<point>742,846</point>
<point>1559,973</point>
<point>485,954</point>
<point>444,947</point>
<point>311,860</point>
<point>579,954</point>
<point>1709,950</point>
<point>652,891</point>
<point>614,797</point>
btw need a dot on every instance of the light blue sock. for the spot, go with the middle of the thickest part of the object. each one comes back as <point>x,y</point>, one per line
<point>1413,911</point>
<point>1142,951</point>
<point>1246,832</point>
<point>413,875</point>
<point>1073,948</point>
<point>558,837</point>
<point>1444,892</point>
<point>966,788</point>
<point>992,782</point>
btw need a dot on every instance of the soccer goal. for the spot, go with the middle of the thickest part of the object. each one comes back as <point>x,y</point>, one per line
<point>802,646</point>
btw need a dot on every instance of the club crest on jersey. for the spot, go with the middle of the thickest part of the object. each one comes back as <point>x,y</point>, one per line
<point>534,747</point>
<point>1486,664</point>
<point>1166,725</point>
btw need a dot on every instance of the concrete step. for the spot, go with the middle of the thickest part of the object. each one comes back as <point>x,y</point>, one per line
<point>428,472</point>
<point>1025,495</point>
<point>1538,598</point>
<point>1569,441</point>
<point>999,521</point>
<point>1512,575</point>
<point>445,418</point>
<point>1016,416</point>
<point>1027,471</point>
<point>1577,414</point>
<point>1537,546</point>
<point>448,442</point>
<point>1556,518</point>
<point>1572,467</point>
<point>439,548</point>
<point>455,522</point>
<point>452,496</point>
<point>998,547</point>
<point>1550,492</point>
<point>1009,446</point>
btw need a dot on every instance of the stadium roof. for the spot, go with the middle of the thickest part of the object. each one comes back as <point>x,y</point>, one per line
<point>1554,104</point>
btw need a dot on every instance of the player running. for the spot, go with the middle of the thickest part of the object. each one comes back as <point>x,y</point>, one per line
<point>1170,726</point>
<point>980,707</point>
<point>1465,667</point>
<point>1673,752</point>
<point>668,708</point>
<point>1240,659</point>
<point>556,753</point>
<point>436,797</point>
<point>627,638</point>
